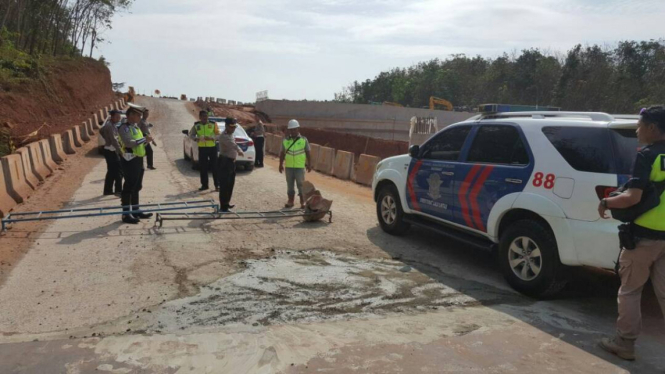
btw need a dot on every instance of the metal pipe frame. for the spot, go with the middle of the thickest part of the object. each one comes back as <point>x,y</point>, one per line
<point>107,211</point>
<point>205,216</point>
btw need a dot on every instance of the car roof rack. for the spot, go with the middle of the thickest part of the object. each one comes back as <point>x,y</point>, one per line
<point>593,116</point>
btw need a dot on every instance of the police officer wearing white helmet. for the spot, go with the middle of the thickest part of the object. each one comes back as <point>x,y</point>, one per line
<point>295,155</point>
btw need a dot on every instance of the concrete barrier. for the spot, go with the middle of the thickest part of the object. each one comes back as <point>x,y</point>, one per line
<point>68,143</point>
<point>78,140</point>
<point>314,154</point>
<point>83,131</point>
<point>365,169</point>
<point>57,151</point>
<point>267,141</point>
<point>14,179</point>
<point>26,167</point>
<point>7,202</point>
<point>277,144</point>
<point>37,163</point>
<point>95,119</point>
<point>343,165</point>
<point>91,126</point>
<point>326,160</point>
<point>45,150</point>
<point>101,115</point>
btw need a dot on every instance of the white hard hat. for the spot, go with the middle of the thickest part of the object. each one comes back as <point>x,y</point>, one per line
<point>293,124</point>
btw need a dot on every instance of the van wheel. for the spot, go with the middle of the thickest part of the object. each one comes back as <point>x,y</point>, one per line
<point>389,211</point>
<point>195,164</point>
<point>529,259</point>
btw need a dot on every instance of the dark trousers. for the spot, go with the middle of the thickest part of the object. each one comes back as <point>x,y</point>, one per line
<point>227,179</point>
<point>258,145</point>
<point>148,154</point>
<point>113,173</point>
<point>207,161</point>
<point>133,173</point>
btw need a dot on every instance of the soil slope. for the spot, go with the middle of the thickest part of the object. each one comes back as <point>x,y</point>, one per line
<point>67,94</point>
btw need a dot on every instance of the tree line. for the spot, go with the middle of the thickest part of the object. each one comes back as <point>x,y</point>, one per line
<point>57,27</point>
<point>618,79</point>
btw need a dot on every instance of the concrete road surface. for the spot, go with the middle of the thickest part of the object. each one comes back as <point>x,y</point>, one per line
<point>283,296</point>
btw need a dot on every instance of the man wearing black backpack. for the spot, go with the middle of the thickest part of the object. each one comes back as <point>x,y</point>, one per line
<point>646,259</point>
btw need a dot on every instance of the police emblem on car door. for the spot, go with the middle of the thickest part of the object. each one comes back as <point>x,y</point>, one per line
<point>434,182</point>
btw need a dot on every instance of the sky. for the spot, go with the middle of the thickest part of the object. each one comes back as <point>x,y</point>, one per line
<point>310,49</point>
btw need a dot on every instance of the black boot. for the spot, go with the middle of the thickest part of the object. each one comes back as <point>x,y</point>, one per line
<point>141,215</point>
<point>128,218</point>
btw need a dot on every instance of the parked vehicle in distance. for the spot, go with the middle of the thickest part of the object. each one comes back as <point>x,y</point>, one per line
<point>190,148</point>
<point>524,184</point>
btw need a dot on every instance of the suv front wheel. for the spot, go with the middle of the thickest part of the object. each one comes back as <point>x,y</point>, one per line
<point>529,260</point>
<point>389,211</point>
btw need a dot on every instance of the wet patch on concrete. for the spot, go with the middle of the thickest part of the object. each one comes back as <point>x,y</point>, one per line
<point>312,286</point>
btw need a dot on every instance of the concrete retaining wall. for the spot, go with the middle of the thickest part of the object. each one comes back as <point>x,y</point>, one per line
<point>45,150</point>
<point>377,121</point>
<point>26,167</point>
<point>37,162</point>
<point>326,160</point>
<point>343,165</point>
<point>365,169</point>
<point>7,202</point>
<point>83,132</point>
<point>15,181</point>
<point>277,144</point>
<point>57,151</point>
<point>267,141</point>
<point>91,126</point>
<point>96,120</point>
<point>68,143</point>
<point>314,153</point>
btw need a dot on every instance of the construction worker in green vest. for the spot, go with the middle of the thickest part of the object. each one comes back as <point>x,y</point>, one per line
<point>294,159</point>
<point>205,132</point>
<point>132,150</point>
<point>644,258</point>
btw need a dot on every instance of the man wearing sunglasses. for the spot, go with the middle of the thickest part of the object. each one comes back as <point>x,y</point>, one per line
<point>647,258</point>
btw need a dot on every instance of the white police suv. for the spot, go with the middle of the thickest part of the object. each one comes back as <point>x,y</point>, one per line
<point>526,184</point>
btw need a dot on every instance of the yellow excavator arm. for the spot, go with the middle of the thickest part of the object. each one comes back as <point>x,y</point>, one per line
<point>435,100</point>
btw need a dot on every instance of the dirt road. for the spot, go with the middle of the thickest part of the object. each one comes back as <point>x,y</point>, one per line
<point>284,296</point>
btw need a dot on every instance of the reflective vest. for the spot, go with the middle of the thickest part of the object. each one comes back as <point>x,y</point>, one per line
<point>295,156</point>
<point>139,150</point>
<point>207,130</point>
<point>655,218</point>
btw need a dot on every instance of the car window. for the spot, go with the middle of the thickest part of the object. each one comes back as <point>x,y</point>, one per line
<point>498,145</point>
<point>446,145</point>
<point>586,149</point>
<point>240,132</point>
<point>625,149</point>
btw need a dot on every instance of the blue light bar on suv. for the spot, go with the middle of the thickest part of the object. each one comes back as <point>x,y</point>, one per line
<point>507,108</point>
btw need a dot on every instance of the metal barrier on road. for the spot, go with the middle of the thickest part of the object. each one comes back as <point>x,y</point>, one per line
<point>106,211</point>
<point>201,216</point>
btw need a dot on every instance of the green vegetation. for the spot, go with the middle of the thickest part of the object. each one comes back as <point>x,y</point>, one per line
<point>593,78</point>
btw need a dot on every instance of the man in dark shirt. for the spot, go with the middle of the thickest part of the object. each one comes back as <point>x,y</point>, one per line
<point>647,260</point>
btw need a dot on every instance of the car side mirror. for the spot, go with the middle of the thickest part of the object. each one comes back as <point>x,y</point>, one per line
<point>150,125</point>
<point>414,151</point>
<point>186,132</point>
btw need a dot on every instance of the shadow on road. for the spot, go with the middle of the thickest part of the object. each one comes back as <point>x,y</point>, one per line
<point>583,313</point>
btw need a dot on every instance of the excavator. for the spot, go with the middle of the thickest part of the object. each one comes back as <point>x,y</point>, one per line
<point>129,95</point>
<point>435,100</point>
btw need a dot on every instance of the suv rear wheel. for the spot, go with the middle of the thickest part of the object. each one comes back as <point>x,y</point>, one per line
<point>389,211</point>
<point>529,260</point>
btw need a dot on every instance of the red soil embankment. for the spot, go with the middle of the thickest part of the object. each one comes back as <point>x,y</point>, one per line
<point>357,144</point>
<point>68,94</point>
<point>245,114</point>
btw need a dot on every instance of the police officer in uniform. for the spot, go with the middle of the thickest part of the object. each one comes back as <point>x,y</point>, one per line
<point>111,151</point>
<point>145,129</point>
<point>132,143</point>
<point>229,151</point>
<point>647,259</point>
<point>204,133</point>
